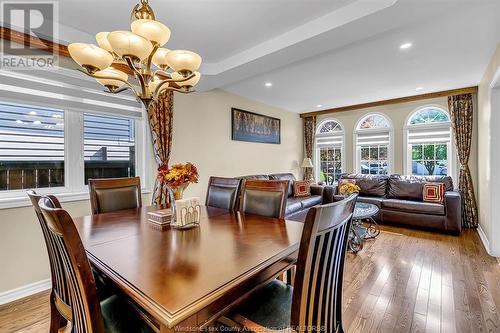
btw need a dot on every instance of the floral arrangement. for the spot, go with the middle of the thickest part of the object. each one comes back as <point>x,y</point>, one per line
<point>178,175</point>
<point>348,188</point>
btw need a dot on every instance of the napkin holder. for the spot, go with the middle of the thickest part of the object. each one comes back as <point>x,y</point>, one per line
<point>188,213</point>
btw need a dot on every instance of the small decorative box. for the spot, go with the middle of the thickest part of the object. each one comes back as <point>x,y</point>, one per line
<point>161,217</point>
<point>188,212</point>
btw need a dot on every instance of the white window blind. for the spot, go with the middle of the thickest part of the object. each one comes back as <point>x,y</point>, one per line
<point>377,138</point>
<point>421,135</point>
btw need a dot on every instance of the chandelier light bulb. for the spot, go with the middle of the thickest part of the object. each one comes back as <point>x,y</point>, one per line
<point>126,43</point>
<point>102,40</point>
<point>160,58</point>
<point>183,61</point>
<point>90,56</point>
<point>152,30</point>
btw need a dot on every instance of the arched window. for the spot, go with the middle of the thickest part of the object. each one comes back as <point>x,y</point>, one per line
<point>329,145</point>
<point>373,136</point>
<point>428,141</point>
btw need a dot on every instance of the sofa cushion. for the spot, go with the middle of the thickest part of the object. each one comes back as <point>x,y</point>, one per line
<point>414,206</point>
<point>377,201</point>
<point>370,185</point>
<point>285,176</point>
<point>411,187</point>
<point>313,200</point>
<point>293,205</point>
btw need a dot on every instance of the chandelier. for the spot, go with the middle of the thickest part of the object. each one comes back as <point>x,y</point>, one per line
<point>138,50</point>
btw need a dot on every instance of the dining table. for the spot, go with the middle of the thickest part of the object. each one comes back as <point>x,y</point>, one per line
<point>183,280</point>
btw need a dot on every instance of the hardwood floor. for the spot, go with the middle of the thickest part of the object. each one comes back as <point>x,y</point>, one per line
<point>404,281</point>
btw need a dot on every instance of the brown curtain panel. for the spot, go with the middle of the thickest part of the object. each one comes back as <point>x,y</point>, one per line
<point>160,114</point>
<point>309,129</point>
<point>461,111</point>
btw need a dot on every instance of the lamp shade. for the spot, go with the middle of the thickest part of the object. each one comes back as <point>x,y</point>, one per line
<point>102,41</point>
<point>152,30</point>
<point>126,43</point>
<point>181,60</point>
<point>188,83</point>
<point>111,72</point>
<point>160,58</point>
<point>154,84</point>
<point>307,163</point>
<point>90,55</point>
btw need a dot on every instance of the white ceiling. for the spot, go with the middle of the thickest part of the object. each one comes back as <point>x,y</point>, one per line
<point>329,52</point>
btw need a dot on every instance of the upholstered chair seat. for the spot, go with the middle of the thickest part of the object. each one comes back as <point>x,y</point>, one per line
<point>270,306</point>
<point>223,192</point>
<point>120,317</point>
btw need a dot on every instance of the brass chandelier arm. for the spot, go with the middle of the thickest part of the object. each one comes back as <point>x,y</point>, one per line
<point>138,75</point>
<point>158,88</point>
<point>112,78</point>
<point>162,72</point>
<point>150,58</point>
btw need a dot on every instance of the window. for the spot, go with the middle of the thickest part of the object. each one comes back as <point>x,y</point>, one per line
<point>373,137</point>
<point>329,146</point>
<point>428,136</point>
<point>31,147</point>
<point>109,146</point>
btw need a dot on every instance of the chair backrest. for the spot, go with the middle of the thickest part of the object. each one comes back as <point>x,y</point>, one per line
<point>60,289</point>
<point>317,294</point>
<point>112,194</point>
<point>264,197</point>
<point>223,192</point>
<point>74,269</point>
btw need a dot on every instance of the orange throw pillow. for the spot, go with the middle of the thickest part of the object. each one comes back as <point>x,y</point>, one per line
<point>434,192</point>
<point>301,188</point>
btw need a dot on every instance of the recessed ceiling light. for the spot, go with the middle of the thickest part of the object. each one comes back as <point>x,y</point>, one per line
<point>268,84</point>
<point>319,105</point>
<point>405,46</point>
<point>419,88</point>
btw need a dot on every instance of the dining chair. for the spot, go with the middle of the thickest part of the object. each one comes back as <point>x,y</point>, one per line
<point>112,194</point>
<point>314,303</point>
<point>264,197</point>
<point>223,192</point>
<point>75,302</point>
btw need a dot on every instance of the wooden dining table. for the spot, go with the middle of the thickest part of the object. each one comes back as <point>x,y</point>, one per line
<point>182,280</point>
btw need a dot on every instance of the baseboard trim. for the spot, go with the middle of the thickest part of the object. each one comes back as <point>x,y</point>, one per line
<point>24,291</point>
<point>484,239</point>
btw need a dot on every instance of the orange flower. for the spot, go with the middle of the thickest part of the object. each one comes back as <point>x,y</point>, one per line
<point>178,174</point>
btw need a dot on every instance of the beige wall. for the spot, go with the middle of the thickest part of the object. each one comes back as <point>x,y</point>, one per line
<point>202,134</point>
<point>398,114</point>
<point>489,180</point>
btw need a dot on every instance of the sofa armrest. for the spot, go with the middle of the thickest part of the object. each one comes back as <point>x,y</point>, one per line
<point>453,209</point>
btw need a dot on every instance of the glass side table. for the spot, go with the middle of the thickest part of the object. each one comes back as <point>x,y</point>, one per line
<point>363,225</point>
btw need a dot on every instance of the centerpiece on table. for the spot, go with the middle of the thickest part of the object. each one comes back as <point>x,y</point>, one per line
<point>348,188</point>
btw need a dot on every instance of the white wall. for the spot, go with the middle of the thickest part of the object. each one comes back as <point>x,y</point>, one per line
<point>489,138</point>
<point>202,135</point>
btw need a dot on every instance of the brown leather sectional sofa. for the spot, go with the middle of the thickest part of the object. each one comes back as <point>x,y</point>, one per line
<point>400,199</point>
<point>297,207</point>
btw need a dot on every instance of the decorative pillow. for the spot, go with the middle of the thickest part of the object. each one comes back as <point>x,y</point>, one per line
<point>301,188</point>
<point>434,192</point>
<point>346,181</point>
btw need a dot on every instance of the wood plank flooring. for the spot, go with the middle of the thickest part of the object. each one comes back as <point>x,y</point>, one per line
<point>404,281</point>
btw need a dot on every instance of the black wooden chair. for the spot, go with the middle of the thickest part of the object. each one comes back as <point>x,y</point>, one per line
<point>264,197</point>
<point>74,303</point>
<point>223,192</point>
<point>314,304</point>
<point>112,194</point>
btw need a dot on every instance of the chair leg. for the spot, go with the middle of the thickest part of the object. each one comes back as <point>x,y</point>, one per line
<point>56,320</point>
<point>290,276</point>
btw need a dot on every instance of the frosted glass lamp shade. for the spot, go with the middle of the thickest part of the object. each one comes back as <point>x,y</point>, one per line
<point>188,83</point>
<point>102,41</point>
<point>182,61</point>
<point>152,30</point>
<point>111,72</point>
<point>90,56</point>
<point>307,163</point>
<point>154,84</point>
<point>126,43</point>
<point>160,58</point>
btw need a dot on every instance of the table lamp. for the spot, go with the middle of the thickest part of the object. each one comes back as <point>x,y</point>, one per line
<point>307,163</point>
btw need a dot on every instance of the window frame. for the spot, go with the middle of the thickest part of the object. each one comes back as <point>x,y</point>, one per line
<point>74,188</point>
<point>407,153</point>
<point>357,148</point>
<point>316,155</point>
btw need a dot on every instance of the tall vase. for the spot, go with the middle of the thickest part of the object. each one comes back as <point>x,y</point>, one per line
<point>175,193</point>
